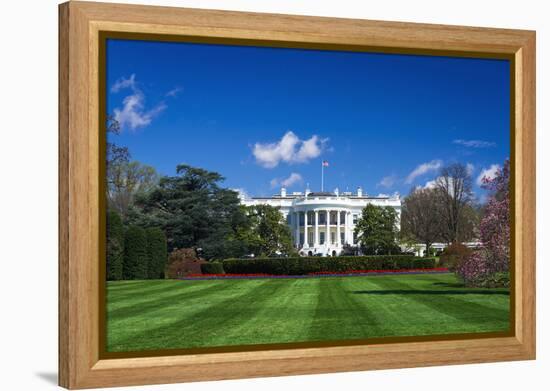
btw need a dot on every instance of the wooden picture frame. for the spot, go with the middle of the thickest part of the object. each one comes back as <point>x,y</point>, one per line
<point>81,364</point>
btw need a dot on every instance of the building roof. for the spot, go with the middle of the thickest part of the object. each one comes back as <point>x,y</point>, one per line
<point>321,194</point>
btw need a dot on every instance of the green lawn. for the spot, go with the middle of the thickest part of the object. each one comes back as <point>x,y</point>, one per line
<point>145,315</point>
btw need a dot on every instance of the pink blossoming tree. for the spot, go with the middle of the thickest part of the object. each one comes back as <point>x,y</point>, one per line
<point>494,257</point>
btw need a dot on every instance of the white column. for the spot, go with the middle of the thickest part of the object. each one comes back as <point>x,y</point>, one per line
<point>316,241</point>
<point>327,234</point>
<point>346,227</point>
<point>351,241</point>
<point>297,229</point>
<point>306,244</point>
<point>338,240</point>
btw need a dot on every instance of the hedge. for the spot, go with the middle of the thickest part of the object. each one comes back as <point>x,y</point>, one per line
<point>212,268</point>
<point>135,254</point>
<point>157,253</point>
<point>306,265</point>
<point>115,246</point>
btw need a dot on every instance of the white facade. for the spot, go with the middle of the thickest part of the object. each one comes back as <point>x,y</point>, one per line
<point>306,213</point>
<point>419,249</point>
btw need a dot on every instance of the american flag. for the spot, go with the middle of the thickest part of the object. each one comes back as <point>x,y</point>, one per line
<point>325,163</point>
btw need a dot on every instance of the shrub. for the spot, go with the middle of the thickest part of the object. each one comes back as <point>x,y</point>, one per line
<point>157,253</point>
<point>306,265</point>
<point>182,262</point>
<point>135,254</point>
<point>349,250</point>
<point>497,280</point>
<point>454,255</point>
<point>478,271</point>
<point>489,266</point>
<point>115,246</point>
<point>212,268</point>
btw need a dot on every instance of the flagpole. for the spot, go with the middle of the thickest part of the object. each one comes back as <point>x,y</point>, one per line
<point>322,176</point>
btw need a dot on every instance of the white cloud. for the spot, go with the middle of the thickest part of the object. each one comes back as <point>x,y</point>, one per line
<point>422,169</point>
<point>387,181</point>
<point>133,114</point>
<point>174,92</point>
<point>294,178</point>
<point>430,184</point>
<point>290,149</point>
<point>123,83</point>
<point>470,168</point>
<point>474,143</point>
<point>488,173</point>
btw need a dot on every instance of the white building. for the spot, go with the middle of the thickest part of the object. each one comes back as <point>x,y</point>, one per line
<point>323,222</point>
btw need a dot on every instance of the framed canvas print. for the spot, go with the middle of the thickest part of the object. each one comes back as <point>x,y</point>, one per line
<point>247,195</point>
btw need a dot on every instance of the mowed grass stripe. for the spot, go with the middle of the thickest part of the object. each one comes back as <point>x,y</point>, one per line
<point>125,289</point>
<point>283,315</point>
<point>191,314</point>
<point>440,310</point>
<point>150,302</point>
<point>494,298</point>
<point>339,316</point>
<point>189,322</point>
<point>400,313</point>
<point>388,310</point>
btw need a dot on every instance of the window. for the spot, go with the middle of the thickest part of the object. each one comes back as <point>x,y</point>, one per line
<point>322,238</point>
<point>301,238</point>
<point>355,218</point>
<point>310,238</point>
<point>342,237</point>
<point>354,238</point>
<point>333,237</point>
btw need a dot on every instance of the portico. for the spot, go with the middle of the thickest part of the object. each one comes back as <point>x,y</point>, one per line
<point>321,231</point>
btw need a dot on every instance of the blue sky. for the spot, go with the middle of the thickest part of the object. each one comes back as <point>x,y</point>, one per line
<point>263,117</point>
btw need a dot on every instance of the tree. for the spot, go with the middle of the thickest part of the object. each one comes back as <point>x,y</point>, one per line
<point>157,252</point>
<point>454,190</point>
<point>194,211</point>
<point>135,254</point>
<point>125,180</point>
<point>494,229</point>
<point>115,246</point>
<point>377,230</point>
<point>454,255</point>
<point>269,233</point>
<point>495,224</point>
<point>420,218</point>
<point>114,152</point>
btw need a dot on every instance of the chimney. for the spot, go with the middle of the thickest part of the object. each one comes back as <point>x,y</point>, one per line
<point>359,191</point>
<point>283,191</point>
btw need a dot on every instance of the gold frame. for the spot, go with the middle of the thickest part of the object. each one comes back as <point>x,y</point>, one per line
<point>83,26</point>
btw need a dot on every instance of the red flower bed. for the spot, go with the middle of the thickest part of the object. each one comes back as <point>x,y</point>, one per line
<point>231,275</point>
<point>346,273</point>
<point>435,269</point>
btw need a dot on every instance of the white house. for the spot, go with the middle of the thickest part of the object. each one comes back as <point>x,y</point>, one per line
<point>323,222</point>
